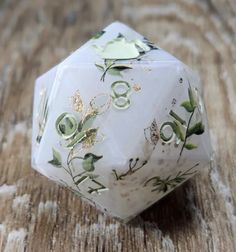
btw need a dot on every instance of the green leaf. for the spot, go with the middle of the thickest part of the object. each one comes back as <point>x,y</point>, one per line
<point>98,34</point>
<point>109,62</point>
<point>191,98</point>
<point>163,187</point>
<point>94,157</point>
<point>196,129</point>
<point>113,71</point>
<point>187,105</point>
<point>56,161</point>
<point>120,35</point>
<point>142,46</point>
<point>150,44</point>
<point>121,67</point>
<point>116,69</point>
<point>89,160</point>
<point>190,146</point>
<point>119,48</point>
<point>100,67</point>
<point>157,181</point>
<point>38,139</point>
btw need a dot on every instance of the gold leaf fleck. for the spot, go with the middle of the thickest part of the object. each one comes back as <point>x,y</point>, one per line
<point>136,87</point>
<point>77,102</point>
<point>90,140</point>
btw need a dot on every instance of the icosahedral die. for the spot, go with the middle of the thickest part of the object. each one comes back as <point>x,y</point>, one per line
<point>120,122</point>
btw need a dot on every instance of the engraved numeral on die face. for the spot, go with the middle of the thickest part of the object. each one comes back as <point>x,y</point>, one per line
<point>99,189</point>
<point>121,91</point>
<point>83,178</point>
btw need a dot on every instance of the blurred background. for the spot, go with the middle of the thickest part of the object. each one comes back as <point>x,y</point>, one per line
<point>36,214</point>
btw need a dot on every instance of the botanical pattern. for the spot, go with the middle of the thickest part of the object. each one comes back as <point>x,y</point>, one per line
<point>112,67</point>
<point>134,166</point>
<point>98,35</point>
<point>178,125</point>
<point>197,128</point>
<point>152,136</point>
<point>42,114</point>
<point>121,48</point>
<point>179,131</point>
<point>152,133</point>
<point>78,135</point>
<point>165,184</point>
<point>117,49</point>
<point>88,165</point>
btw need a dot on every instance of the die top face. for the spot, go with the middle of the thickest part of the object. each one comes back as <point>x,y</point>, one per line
<point>120,122</point>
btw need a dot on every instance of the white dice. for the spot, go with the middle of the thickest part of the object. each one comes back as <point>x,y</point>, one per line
<point>120,122</point>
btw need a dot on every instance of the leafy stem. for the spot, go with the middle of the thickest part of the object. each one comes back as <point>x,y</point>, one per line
<point>76,133</point>
<point>164,184</point>
<point>69,160</point>
<point>197,129</point>
<point>87,164</point>
<point>68,168</point>
<point>132,164</point>
<point>106,70</point>
<point>112,67</point>
<point>186,134</point>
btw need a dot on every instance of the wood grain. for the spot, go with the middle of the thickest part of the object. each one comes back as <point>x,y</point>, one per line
<point>36,214</point>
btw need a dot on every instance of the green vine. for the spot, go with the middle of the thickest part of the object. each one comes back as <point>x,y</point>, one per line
<point>197,129</point>
<point>111,67</point>
<point>76,133</point>
<point>134,166</point>
<point>120,48</point>
<point>88,161</point>
<point>164,184</point>
<point>179,124</point>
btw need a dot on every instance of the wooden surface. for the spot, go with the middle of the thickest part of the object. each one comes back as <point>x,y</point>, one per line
<point>36,214</point>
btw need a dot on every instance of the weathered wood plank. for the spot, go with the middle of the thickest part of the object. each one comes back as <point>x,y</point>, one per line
<point>36,214</point>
